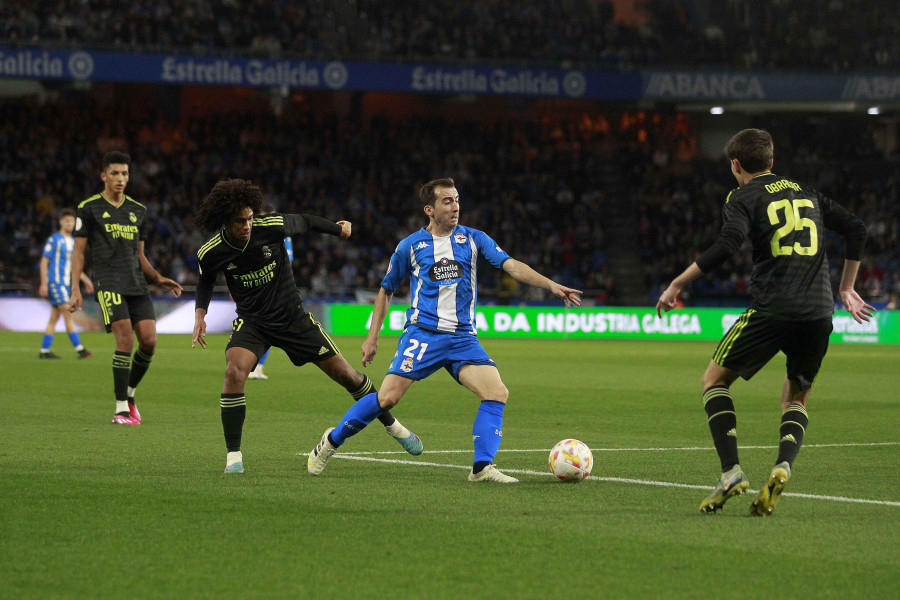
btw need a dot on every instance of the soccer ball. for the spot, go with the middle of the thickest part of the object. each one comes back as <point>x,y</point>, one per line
<point>571,461</point>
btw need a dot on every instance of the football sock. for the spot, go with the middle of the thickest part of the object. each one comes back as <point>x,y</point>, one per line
<point>366,388</point>
<point>140,365</point>
<point>355,420</point>
<point>487,431</point>
<point>234,409</point>
<point>722,424</point>
<point>121,367</point>
<point>76,341</point>
<point>262,359</point>
<point>793,425</point>
<point>46,342</point>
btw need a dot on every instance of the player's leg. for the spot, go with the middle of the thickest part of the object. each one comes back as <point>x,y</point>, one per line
<point>487,432</point>
<point>257,373</point>
<point>121,330</point>
<point>356,419</point>
<point>73,335</point>
<point>805,345</point>
<point>145,331</point>
<point>48,333</point>
<point>238,363</point>
<point>360,386</point>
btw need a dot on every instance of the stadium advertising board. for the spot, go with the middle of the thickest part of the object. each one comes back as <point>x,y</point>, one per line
<point>610,323</point>
<point>180,69</point>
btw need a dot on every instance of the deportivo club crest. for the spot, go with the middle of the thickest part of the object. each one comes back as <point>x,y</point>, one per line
<point>132,217</point>
<point>460,238</point>
<point>266,252</point>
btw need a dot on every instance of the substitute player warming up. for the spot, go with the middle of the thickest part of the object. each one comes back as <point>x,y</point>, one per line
<point>792,305</point>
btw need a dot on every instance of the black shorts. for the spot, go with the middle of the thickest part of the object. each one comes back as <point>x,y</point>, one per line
<point>754,339</point>
<point>116,307</point>
<point>303,340</point>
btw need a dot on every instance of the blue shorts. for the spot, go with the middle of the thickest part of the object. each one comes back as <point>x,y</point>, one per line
<point>421,352</point>
<point>58,293</point>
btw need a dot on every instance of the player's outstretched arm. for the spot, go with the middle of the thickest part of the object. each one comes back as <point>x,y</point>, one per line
<point>370,346</point>
<point>522,272</point>
<point>855,305</point>
<point>669,298</point>
<point>199,328</point>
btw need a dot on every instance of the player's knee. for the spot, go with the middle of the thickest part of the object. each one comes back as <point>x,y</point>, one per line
<point>388,400</point>
<point>500,394</point>
<point>235,373</point>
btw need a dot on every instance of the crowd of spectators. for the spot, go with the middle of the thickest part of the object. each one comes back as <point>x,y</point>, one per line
<point>535,185</point>
<point>529,185</point>
<point>615,34</point>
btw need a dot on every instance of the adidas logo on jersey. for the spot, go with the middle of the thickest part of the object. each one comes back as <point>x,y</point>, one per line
<point>323,350</point>
<point>230,266</point>
<point>421,245</point>
<point>105,215</point>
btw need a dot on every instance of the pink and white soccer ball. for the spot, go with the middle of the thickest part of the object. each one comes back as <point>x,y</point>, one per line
<point>571,461</point>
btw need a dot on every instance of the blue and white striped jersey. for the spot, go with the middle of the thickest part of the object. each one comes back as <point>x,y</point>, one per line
<point>59,250</point>
<point>442,277</point>
<point>289,246</point>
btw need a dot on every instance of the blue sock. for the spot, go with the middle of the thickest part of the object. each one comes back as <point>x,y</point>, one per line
<point>360,414</point>
<point>262,359</point>
<point>487,432</point>
<point>76,341</point>
<point>48,339</point>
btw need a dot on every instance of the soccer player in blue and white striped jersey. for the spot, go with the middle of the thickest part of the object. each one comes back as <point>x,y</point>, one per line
<point>56,283</point>
<point>440,261</point>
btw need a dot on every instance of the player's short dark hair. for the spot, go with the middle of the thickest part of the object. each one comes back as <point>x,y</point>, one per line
<point>115,158</point>
<point>426,192</point>
<point>753,148</point>
<point>67,212</point>
<point>228,198</point>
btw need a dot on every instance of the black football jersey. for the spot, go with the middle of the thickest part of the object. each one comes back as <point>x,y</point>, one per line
<point>113,233</point>
<point>786,223</point>
<point>259,275</point>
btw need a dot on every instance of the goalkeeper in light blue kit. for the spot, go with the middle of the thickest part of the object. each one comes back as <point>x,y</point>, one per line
<point>440,261</point>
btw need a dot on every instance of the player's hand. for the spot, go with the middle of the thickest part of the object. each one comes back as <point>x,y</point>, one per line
<point>667,300</point>
<point>42,291</point>
<point>369,348</point>
<point>89,287</point>
<point>75,300</point>
<point>569,295</point>
<point>199,334</point>
<point>345,229</point>
<point>171,285</point>
<point>856,306</point>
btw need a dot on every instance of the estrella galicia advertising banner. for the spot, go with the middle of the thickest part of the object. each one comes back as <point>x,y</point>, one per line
<point>610,323</point>
<point>180,69</point>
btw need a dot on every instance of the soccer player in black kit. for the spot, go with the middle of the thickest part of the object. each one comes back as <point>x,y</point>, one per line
<point>792,305</point>
<point>250,251</point>
<point>114,226</point>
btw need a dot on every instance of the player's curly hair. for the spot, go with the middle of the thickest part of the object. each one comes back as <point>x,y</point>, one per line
<point>227,198</point>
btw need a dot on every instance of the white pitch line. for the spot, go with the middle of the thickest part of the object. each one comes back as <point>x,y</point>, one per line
<point>697,448</point>
<point>613,479</point>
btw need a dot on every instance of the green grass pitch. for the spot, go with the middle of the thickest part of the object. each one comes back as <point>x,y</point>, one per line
<point>93,510</point>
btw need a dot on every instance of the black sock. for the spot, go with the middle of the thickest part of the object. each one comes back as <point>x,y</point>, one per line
<point>479,466</point>
<point>793,425</point>
<point>121,365</point>
<point>722,424</point>
<point>234,409</point>
<point>366,388</point>
<point>139,366</point>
